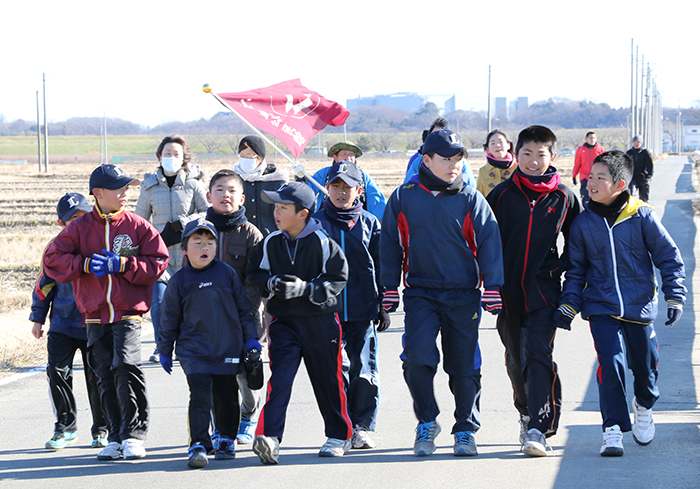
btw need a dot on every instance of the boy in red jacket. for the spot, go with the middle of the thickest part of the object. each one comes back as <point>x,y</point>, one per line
<point>583,162</point>
<point>113,257</point>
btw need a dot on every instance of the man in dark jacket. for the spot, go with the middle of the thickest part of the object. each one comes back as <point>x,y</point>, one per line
<point>643,168</point>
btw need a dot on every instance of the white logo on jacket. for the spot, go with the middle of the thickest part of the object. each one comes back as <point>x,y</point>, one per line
<point>204,284</point>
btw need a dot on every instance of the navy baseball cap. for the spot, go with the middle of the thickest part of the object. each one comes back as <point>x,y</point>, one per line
<point>444,142</point>
<point>292,193</point>
<point>110,177</point>
<point>347,172</point>
<point>70,204</point>
<point>194,226</point>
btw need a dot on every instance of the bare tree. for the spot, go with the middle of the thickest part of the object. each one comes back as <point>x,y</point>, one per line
<point>211,142</point>
<point>382,141</point>
<point>233,141</point>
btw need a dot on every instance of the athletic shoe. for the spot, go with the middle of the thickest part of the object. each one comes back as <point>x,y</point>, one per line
<point>536,444</point>
<point>335,447</point>
<point>226,450</point>
<point>198,457</point>
<point>524,421</point>
<point>155,357</point>
<point>643,429</point>
<point>133,449</point>
<point>246,431</point>
<point>113,451</point>
<point>99,441</point>
<point>215,439</point>
<point>267,448</point>
<point>361,439</point>
<point>61,439</point>
<point>465,446</point>
<point>612,442</point>
<point>425,438</point>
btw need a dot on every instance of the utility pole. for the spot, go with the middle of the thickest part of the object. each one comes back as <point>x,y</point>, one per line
<point>102,132</point>
<point>631,124</point>
<point>38,132</point>
<point>488,110</point>
<point>46,132</point>
<point>104,117</point>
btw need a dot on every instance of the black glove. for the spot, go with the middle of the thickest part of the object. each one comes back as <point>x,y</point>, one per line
<point>291,287</point>
<point>253,365</point>
<point>574,180</point>
<point>674,313</point>
<point>170,233</point>
<point>384,320</point>
<point>563,316</point>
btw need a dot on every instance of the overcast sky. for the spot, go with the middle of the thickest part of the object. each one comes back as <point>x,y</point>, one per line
<point>146,60</point>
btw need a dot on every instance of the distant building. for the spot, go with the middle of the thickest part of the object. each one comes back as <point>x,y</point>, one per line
<point>408,101</point>
<point>691,138</point>
<point>501,108</point>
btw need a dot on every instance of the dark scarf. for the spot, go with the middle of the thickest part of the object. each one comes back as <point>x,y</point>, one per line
<point>226,222</point>
<point>503,164</point>
<point>610,212</point>
<point>542,184</point>
<point>431,182</point>
<point>345,219</point>
<point>589,146</point>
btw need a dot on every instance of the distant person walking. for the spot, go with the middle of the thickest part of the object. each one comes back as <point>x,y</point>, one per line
<point>643,168</point>
<point>168,198</point>
<point>583,162</point>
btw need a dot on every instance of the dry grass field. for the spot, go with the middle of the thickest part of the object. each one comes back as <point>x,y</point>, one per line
<point>28,221</point>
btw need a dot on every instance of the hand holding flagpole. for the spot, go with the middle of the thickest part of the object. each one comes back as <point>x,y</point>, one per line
<point>296,166</point>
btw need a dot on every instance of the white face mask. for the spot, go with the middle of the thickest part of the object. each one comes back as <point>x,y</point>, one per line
<point>247,165</point>
<point>170,164</point>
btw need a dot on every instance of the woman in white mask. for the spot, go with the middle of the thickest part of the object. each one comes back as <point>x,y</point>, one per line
<point>170,198</point>
<point>258,175</point>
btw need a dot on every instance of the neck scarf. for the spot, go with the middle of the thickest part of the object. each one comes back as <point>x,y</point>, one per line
<point>613,210</point>
<point>345,219</point>
<point>431,182</point>
<point>542,184</point>
<point>262,173</point>
<point>226,222</point>
<point>502,164</point>
<point>589,146</point>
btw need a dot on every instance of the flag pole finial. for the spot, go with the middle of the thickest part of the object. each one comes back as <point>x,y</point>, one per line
<point>206,88</point>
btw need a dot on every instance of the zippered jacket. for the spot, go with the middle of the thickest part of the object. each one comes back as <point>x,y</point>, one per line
<point>56,300</point>
<point>361,296</point>
<point>375,200</point>
<point>109,298</point>
<point>162,204</point>
<point>612,267</point>
<point>208,316</point>
<point>529,231</point>
<point>313,257</point>
<point>438,240</point>
<point>643,163</point>
<point>583,161</point>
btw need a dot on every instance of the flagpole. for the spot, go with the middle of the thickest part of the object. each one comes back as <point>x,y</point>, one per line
<point>207,89</point>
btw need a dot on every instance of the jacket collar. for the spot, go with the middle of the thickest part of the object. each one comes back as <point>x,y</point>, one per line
<point>112,216</point>
<point>632,207</point>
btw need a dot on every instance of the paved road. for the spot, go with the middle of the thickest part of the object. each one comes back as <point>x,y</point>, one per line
<point>672,460</point>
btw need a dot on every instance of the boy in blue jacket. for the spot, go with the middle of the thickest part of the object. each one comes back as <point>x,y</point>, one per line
<point>441,237</point>
<point>614,246</point>
<point>302,271</point>
<point>66,335</point>
<point>207,314</point>
<point>357,231</point>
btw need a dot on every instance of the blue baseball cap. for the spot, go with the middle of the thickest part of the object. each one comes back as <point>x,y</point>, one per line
<point>444,142</point>
<point>110,177</point>
<point>70,204</point>
<point>199,223</point>
<point>348,172</point>
<point>292,193</point>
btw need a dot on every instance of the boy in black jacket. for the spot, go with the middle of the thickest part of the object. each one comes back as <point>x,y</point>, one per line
<point>207,313</point>
<point>302,271</point>
<point>532,207</point>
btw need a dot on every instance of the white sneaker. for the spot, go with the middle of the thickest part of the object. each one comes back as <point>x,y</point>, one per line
<point>643,429</point>
<point>612,442</point>
<point>133,449</point>
<point>536,444</point>
<point>361,439</point>
<point>267,448</point>
<point>113,451</point>
<point>524,421</point>
<point>335,447</point>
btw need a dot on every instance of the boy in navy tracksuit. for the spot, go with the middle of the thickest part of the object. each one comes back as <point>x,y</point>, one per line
<point>207,314</point>
<point>532,208</point>
<point>66,335</point>
<point>442,238</point>
<point>302,271</point>
<point>615,244</point>
<point>357,233</point>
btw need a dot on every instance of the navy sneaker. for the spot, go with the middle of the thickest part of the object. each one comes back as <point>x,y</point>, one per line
<point>226,450</point>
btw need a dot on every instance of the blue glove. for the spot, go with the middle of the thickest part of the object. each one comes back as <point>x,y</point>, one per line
<point>491,300</point>
<point>166,363</point>
<point>95,266</point>
<point>563,316</point>
<point>115,263</point>
<point>253,344</point>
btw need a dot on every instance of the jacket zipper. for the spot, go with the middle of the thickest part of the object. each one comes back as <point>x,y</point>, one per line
<point>614,263</point>
<point>345,289</point>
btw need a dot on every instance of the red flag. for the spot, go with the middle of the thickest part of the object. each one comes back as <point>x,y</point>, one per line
<point>289,111</point>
